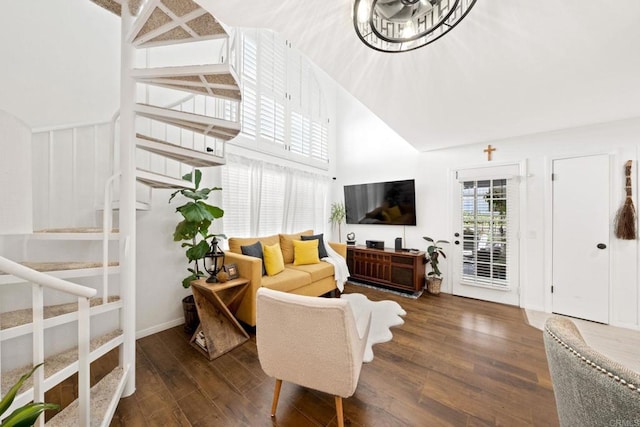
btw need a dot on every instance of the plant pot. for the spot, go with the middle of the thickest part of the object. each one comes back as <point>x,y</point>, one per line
<point>191,319</point>
<point>433,285</point>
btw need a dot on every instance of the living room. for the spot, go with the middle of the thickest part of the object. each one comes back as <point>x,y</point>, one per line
<point>583,103</point>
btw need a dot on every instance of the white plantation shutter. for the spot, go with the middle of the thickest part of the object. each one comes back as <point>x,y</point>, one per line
<point>282,100</point>
<point>272,87</point>
<point>319,142</point>
<point>249,56</point>
<point>300,134</point>
<point>489,224</point>
<point>249,110</point>
<point>249,83</point>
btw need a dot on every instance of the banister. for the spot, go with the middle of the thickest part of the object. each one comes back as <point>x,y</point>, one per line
<point>33,276</point>
<point>107,228</point>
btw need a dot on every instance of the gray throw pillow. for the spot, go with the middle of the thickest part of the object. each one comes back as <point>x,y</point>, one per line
<point>322,251</point>
<point>255,251</point>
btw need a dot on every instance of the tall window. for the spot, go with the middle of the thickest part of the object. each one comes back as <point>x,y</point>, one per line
<point>487,206</point>
<point>249,83</point>
<point>283,108</point>
<point>261,199</point>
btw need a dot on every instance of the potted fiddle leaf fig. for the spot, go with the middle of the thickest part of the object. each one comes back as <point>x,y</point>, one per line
<point>434,277</point>
<point>193,231</point>
<point>25,415</point>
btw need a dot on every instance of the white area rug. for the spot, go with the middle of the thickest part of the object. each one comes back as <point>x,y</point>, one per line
<point>384,315</point>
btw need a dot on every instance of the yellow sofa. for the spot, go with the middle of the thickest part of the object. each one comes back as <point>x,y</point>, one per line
<point>312,279</point>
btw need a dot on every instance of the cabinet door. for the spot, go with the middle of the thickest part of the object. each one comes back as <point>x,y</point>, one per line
<point>402,271</point>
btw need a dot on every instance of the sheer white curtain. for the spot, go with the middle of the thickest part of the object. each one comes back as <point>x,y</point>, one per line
<point>261,198</point>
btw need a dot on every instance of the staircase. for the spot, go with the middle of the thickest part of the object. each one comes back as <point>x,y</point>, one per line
<point>187,114</point>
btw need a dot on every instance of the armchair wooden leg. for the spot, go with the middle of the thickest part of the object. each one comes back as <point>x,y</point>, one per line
<point>276,396</point>
<point>339,411</point>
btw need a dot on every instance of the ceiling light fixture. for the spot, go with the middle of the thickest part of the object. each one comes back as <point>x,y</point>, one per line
<point>403,25</point>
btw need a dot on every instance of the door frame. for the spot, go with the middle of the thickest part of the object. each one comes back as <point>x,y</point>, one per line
<point>453,190</point>
<point>614,194</point>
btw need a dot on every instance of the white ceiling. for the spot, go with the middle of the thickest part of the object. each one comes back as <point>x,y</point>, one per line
<point>511,67</point>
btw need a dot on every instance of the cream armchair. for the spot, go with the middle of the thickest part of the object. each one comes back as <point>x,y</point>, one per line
<point>310,341</point>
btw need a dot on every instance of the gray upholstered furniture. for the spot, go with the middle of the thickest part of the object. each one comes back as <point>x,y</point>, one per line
<point>311,341</point>
<point>590,389</point>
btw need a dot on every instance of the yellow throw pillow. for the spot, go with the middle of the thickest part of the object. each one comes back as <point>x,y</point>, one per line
<point>287,246</point>
<point>273,261</point>
<point>305,252</point>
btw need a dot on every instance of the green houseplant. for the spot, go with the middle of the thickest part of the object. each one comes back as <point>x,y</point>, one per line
<point>193,231</point>
<point>434,277</point>
<point>25,415</point>
<point>337,216</point>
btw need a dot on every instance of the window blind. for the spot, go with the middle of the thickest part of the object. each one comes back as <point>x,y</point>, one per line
<point>261,199</point>
<point>489,222</point>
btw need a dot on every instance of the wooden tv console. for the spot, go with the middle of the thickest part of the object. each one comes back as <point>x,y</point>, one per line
<point>399,270</point>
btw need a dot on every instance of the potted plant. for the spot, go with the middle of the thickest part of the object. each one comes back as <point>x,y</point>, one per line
<point>25,415</point>
<point>193,232</point>
<point>434,277</point>
<point>337,217</point>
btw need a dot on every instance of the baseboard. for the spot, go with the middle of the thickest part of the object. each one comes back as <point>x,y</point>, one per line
<point>624,325</point>
<point>159,328</point>
<point>534,308</point>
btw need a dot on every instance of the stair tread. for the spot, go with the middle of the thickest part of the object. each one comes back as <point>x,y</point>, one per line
<point>174,21</point>
<point>46,267</point>
<point>214,79</point>
<point>186,155</point>
<point>156,180</point>
<point>115,6</point>
<point>192,117</point>
<point>101,397</point>
<point>215,127</point>
<point>11,319</point>
<point>74,230</point>
<point>111,5</point>
<point>54,363</point>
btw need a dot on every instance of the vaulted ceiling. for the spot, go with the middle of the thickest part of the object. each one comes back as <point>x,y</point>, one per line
<point>512,67</point>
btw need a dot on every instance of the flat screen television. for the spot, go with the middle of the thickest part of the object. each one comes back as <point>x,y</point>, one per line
<point>385,203</point>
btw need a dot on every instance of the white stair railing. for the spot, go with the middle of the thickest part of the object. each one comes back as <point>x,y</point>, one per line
<point>40,281</point>
<point>107,228</point>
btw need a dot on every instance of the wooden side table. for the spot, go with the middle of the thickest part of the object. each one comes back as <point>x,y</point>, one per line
<point>219,331</point>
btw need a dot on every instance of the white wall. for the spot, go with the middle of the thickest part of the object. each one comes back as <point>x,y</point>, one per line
<point>369,151</point>
<point>61,61</point>
<point>15,165</point>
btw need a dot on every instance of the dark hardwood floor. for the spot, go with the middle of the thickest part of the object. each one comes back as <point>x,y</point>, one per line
<point>455,362</point>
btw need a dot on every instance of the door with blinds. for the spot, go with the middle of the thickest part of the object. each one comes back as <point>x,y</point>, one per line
<point>485,248</point>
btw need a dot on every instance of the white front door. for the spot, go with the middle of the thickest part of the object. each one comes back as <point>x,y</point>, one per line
<point>485,241</point>
<point>581,215</point>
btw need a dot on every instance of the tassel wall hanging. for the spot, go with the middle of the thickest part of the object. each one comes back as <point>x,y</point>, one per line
<point>625,225</point>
